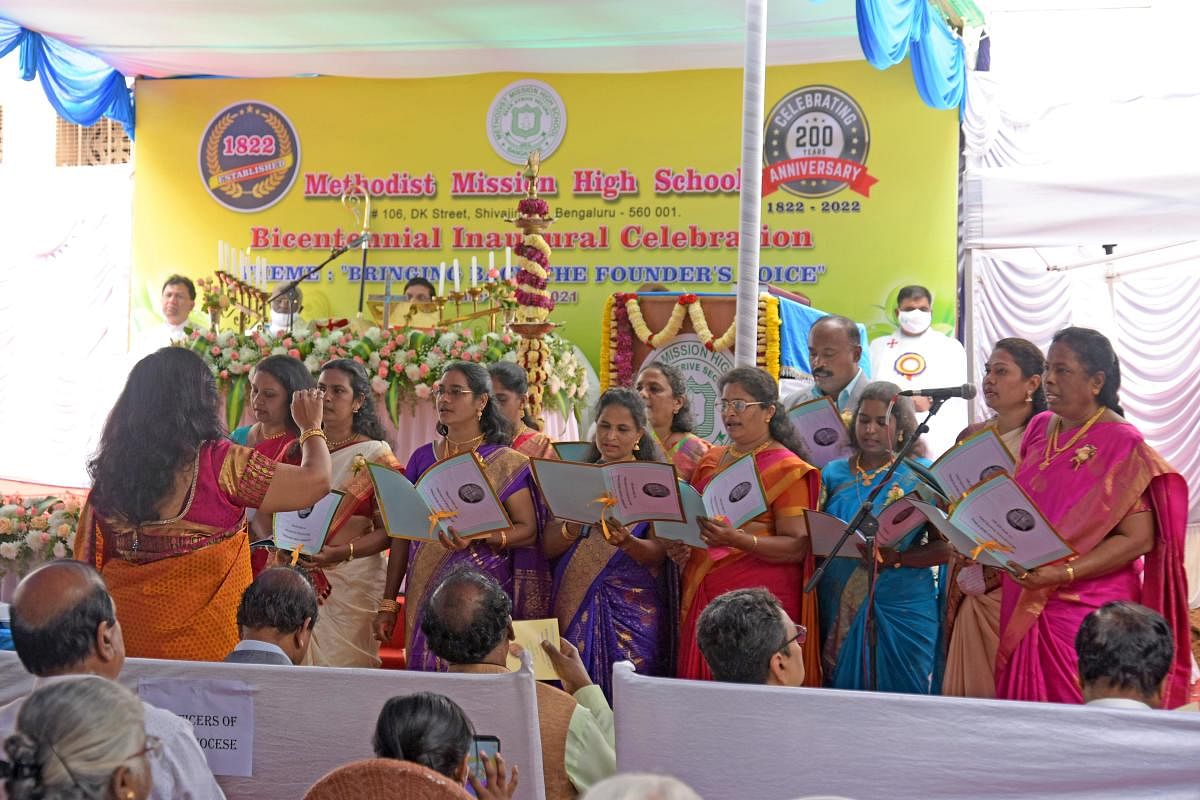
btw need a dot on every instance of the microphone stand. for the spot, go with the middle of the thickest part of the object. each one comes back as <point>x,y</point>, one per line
<point>290,286</point>
<point>866,523</point>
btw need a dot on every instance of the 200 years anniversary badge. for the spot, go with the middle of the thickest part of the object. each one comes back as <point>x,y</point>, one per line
<point>816,144</point>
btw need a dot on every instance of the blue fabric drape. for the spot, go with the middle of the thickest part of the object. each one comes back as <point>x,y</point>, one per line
<point>796,319</point>
<point>889,30</point>
<point>80,86</point>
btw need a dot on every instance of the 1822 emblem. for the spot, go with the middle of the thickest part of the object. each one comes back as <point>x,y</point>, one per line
<point>249,156</point>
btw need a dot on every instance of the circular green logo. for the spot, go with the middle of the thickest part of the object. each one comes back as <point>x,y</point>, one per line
<point>525,116</point>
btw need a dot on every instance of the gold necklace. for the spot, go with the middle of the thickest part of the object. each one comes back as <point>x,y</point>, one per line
<point>1053,450</point>
<point>867,477</point>
<point>343,442</point>
<point>262,437</point>
<point>460,447</point>
<point>733,454</point>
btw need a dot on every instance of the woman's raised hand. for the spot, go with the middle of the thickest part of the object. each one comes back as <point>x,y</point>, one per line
<point>308,408</point>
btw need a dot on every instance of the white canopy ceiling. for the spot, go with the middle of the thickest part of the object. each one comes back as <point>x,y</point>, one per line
<point>403,38</point>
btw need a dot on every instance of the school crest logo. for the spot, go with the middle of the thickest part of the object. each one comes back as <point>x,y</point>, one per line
<point>525,116</point>
<point>702,369</point>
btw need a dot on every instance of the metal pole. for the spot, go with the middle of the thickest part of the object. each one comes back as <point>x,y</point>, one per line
<point>754,78</point>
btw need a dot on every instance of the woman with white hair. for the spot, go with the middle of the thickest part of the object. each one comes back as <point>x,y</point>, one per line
<point>80,739</point>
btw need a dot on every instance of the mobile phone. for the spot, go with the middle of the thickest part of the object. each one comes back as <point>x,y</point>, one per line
<point>481,747</point>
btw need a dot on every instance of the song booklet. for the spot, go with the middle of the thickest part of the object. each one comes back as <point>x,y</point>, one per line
<point>451,494</point>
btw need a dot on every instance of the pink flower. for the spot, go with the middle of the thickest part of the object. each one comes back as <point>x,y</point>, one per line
<point>288,342</point>
<point>423,370</point>
<point>44,537</point>
<point>212,337</point>
<point>294,353</point>
<point>195,335</point>
<point>358,359</point>
<point>233,356</point>
<point>216,351</point>
<point>422,392</point>
<point>224,374</point>
<point>507,339</point>
<point>383,370</point>
<point>344,340</point>
<point>493,273</point>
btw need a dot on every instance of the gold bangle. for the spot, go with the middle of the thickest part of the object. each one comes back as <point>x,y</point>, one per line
<point>351,558</point>
<point>310,433</point>
<point>503,540</point>
<point>567,535</point>
<point>389,606</point>
<point>1070,574</point>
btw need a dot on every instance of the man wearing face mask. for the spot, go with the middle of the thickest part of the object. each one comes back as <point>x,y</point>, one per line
<point>285,312</point>
<point>917,357</point>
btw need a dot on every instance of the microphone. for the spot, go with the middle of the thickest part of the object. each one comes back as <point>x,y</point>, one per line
<point>966,392</point>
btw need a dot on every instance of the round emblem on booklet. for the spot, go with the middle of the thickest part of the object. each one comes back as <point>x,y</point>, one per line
<point>825,436</point>
<point>249,156</point>
<point>1020,519</point>
<point>525,116</point>
<point>739,492</point>
<point>472,493</point>
<point>656,490</point>
<point>820,138</point>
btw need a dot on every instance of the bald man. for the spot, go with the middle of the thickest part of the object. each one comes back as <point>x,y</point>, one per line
<point>64,625</point>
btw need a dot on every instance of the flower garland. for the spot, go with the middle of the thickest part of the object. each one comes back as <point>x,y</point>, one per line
<point>769,324</point>
<point>533,298</point>
<point>622,355</point>
<point>688,306</point>
<point>608,341</point>
<point>36,529</point>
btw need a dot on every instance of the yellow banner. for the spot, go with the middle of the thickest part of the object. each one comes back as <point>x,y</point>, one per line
<point>640,170</point>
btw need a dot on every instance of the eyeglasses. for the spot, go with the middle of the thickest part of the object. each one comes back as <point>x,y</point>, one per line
<point>737,406</point>
<point>454,391</point>
<point>154,747</point>
<point>800,638</point>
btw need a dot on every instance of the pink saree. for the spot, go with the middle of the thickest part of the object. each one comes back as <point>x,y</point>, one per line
<point>1084,501</point>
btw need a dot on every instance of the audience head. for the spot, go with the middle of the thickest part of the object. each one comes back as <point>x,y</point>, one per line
<point>280,606</point>
<point>665,391</point>
<point>640,786</point>
<point>427,729</point>
<point>745,636</point>
<point>82,739</point>
<point>750,410</point>
<point>622,429</point>
<point>464,398</point>
<point>167,409</point>
<point>1012,377</point>
<point>914,309</point>
<point>834,349</point>
<point>653,287</point>
<point>468,619</point>
<point>1125,650</point>
<point>1082,374</point>
<point>63,622</point>
<point>347,390</point>
<point>875,432</point>
<point>419,290</point>
<point>272,383</point>
<point>288,303</point>
<point>178,299</point>
<point>510,387</point>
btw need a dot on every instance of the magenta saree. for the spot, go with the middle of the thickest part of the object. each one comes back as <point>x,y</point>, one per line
<point>1085,500</point>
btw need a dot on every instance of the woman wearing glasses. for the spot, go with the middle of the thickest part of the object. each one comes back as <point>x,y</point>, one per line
<point>79,738</point>
<point>907,618</point>
<point>772,550</point>
<point>468,421</point>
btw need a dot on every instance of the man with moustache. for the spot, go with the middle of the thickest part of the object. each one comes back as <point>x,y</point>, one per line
<point>834,350</point>
<point>178,300</point>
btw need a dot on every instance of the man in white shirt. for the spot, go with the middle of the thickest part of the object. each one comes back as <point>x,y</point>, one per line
<point>178,300</point>
<point>64,625</point>
<point>917,357</point>
<point>834,349</point>
<point>1125,653</point>
<point>275,616</point>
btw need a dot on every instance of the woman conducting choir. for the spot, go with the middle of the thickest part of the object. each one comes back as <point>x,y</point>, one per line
<point>468,421</point>
<point>905,613</point>
<point>511,386</point>
<point>665,392</point>
<point>1012,388</point>
<point>611,589</point>
<point>772,550</point>
<point>164,522</point>
<point>1116,502</point>
<point>352,561</point>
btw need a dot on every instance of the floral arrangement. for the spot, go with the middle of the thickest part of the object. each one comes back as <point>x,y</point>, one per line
<point>213,298</point>
<point>36,529</point>
<point>534,302</point>
<point>404,364</point>
<point>623,320</point>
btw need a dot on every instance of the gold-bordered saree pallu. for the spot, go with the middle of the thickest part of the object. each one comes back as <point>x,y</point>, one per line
<point>522,571</point>
<point>176,583</point>
<point>791,485</point>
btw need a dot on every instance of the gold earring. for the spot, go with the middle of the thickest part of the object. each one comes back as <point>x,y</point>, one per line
<point>1029,396</point>
<point>637,446</point>
<point>130,794</point>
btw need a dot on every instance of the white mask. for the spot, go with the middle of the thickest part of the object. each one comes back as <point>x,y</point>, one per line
<point>915,321</point>
<point>281,321</point>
